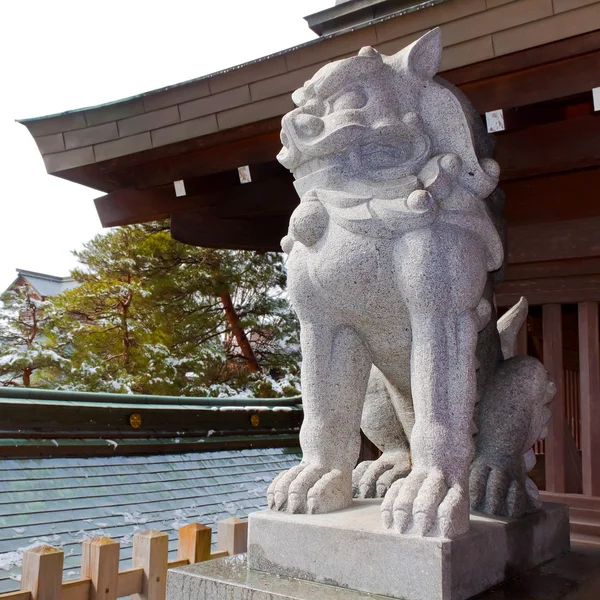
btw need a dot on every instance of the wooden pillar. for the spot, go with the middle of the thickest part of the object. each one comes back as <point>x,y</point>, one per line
<point>589,378</point>
<point>150,552</point>
<point>42,573</point>
<point>553,361</point>
<point>100,564</point>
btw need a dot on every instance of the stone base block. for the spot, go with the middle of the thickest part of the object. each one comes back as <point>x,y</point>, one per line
<point>350,549</point>
<point>575,576</point>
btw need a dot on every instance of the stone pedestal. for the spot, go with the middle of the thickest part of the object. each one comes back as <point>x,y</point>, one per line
<point>350,549</point>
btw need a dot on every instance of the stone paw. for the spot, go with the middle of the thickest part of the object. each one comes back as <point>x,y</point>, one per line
<point>495,491</point>
<point>310,489</point>
<point>373,478</point>
<point>426,504</point>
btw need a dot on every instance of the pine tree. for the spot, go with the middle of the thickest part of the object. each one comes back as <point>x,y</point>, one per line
<point>152,315</point>
<point>27,357</point>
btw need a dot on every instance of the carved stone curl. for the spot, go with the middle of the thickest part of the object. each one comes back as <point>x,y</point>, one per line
<point>392,253</point>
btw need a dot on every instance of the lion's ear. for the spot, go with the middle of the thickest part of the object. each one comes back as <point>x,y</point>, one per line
<point>423,57</point>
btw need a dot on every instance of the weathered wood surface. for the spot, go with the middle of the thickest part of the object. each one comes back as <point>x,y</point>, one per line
<point>41,573</point>
<point>100,564</point>
<point>553,361</point>
<point>589,372</point>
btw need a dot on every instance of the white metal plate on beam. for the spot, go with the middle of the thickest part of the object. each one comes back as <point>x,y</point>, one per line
<point>244,173</point>
<point>495,121</point>
<point>596,96</point>
<point>179,188</point>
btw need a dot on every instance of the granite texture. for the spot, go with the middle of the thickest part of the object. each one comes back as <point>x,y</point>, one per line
<point>391,258</point>
<point>230,579</point>
<point>575,576</point>
<point>351,549</point>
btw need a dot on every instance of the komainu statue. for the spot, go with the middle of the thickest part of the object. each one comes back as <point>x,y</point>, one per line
<point>392,254</point>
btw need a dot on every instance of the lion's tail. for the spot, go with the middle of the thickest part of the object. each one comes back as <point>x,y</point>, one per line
<point>509,325</point>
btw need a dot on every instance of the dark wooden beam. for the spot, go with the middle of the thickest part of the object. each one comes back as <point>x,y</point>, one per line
<point>557,240</point>
<point>565,290</point>
<point>271,192</point>
<point>199,229</point>
<point>555,197</point>
<point>546,269</point>
<point>554,147</point>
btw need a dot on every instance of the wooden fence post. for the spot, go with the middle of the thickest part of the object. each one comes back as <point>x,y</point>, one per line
<point>194,543</point>
<point>100,564</point>
<point>42,572</point>
<point>150,552</point>
<point>232,536</point>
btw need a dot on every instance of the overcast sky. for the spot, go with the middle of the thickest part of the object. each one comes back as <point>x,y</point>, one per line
<point>64,54</point>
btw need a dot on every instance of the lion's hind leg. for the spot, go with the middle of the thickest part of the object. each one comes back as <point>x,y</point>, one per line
<point>511,416</point>
<point>381,424</point>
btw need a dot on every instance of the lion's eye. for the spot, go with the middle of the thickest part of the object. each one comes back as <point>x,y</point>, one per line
<point>350,100</point>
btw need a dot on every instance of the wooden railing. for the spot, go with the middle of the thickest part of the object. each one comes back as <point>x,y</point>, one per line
<point>42,570</point>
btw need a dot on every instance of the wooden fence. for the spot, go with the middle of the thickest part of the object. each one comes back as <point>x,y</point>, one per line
<point>42,570</point>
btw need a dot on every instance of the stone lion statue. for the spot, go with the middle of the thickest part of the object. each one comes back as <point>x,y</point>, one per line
<point>392,253</point>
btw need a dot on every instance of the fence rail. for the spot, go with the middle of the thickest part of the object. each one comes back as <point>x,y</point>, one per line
<point>42,570</point>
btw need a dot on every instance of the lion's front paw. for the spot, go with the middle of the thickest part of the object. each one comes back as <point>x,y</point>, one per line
<point>372,479</point>
<point>310,489</point>
<point>426,504</point>
<point>495,491</point>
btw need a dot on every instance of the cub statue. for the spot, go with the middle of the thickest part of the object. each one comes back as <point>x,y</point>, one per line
<point>391,256</point>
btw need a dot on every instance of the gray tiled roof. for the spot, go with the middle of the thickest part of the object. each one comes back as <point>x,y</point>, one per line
<point>61,501</point>
<point>47,285</point>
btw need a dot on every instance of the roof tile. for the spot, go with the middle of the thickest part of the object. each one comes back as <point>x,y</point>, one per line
<point>216,102</point>
<point>148,121</point>
<point>62,501</point>
<point>127,145</point>
<point>91,135</point>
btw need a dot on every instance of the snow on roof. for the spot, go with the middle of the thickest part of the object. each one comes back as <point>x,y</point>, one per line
<point>63,501</point>
<point>46,285</point>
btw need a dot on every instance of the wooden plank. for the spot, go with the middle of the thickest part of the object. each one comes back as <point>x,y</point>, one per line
<point>194,543</point>
<point>553,361</point>
<point>577,238</point>
<point>554,197</point>
<point>553,268</point>
<point>76,590</point>
<point>564,290</point>
<point>525,59</point>
<point>41,573</point>
<point>100,564</point>
<point>589,374</point>
<point>232,536</point>
<point>172,564</point>
<point>16,596</point>
<point>541,83</point>
<point>150,553</point>
<point>219,554</point>
<point>130,582</point>
<point>549,148</point>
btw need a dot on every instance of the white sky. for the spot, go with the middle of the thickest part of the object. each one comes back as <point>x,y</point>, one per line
<point>60,55</point>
